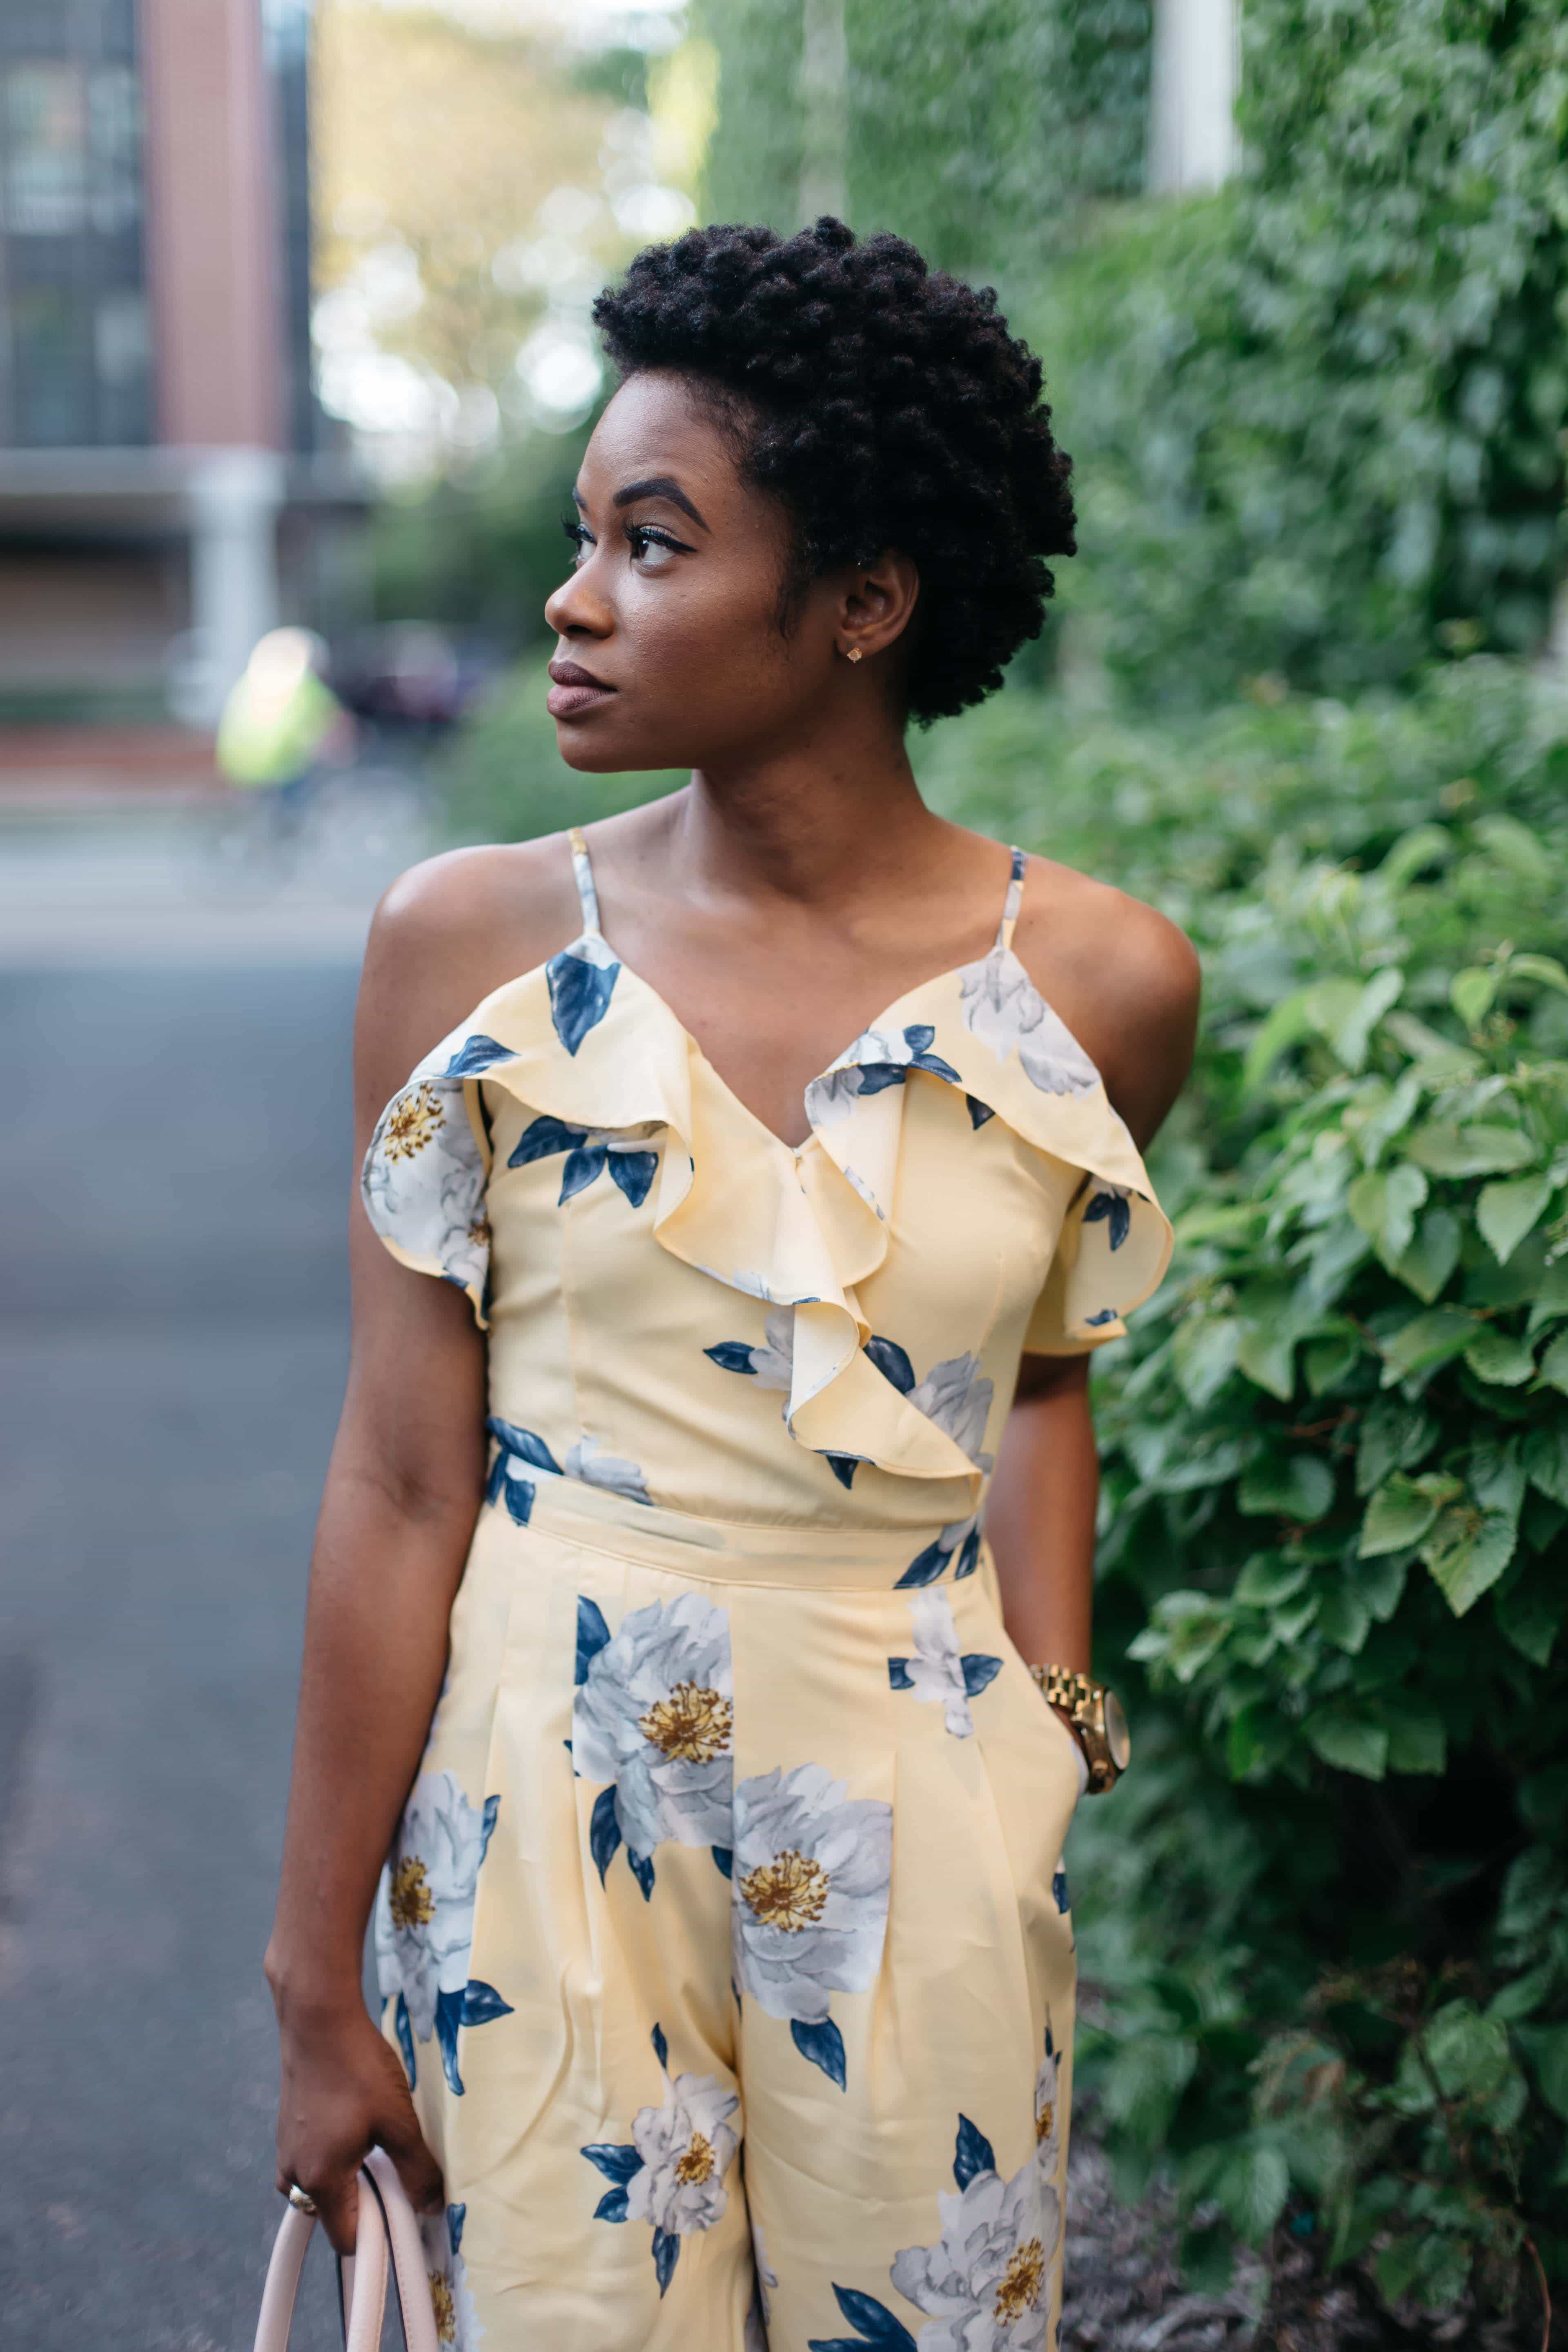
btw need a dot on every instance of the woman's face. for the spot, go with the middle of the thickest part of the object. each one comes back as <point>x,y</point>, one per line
<point>671,655</point>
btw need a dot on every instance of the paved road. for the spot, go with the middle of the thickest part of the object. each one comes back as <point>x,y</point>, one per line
<point>173,1152</point>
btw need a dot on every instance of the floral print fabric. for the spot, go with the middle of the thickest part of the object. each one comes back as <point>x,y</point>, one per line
<point>725,1925</point>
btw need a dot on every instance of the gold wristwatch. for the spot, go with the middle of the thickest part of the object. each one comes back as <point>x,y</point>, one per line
<point>1098,1717</point>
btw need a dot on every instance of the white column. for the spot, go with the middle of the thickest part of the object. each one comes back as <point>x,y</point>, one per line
<point>825,108</point>
<point>233,496</point>
<point>1192,98</point>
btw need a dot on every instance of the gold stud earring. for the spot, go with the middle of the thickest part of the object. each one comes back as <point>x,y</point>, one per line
<point>854,654</point>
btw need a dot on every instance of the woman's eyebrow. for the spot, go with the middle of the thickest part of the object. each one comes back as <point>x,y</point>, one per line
<point>658,486</point>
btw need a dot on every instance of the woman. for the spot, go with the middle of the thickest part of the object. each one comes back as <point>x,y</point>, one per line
<point>722,1940</point>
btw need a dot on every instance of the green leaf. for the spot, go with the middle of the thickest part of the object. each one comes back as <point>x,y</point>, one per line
<point>1424,844</point>
<point>1550,1299</point>
<point>1349,1742</point>
<point>1394,2266</point>
<point>1326,1362</point>
<point>1486,1147</point>
<point>1384,1203</point>
<point>1267,1355</point>
<point>1417,1739</point>
<point>1555,1370</point>
<point>1426,1342</point>
<point>1349,1026</point>
<point>1383,1583</point>
<point>1299,1488</point>
<point>1467,1551</point>
<point>1399,1513</point>
<point>1493,1356</point>
<point>1393,1436</point>
<point>1286,1026</point>
<point>1441,1061</point>
<point>1548,2046</point>
<point>1530,1614</point>
<point>1471,993</point>
<point>1432,1257</point>
<point>1267,1579</point>
<point>1546,1460</point>
<point>1496,1475</point>
<point>1250,2187</point>
<point>1204,1352</point>
<point>1505,1212</point>
<point>1344,1618</point>
<point>1543,968</point>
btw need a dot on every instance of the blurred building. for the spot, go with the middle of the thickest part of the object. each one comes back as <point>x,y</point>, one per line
<point>165,489</point>
<point>1196,73</point>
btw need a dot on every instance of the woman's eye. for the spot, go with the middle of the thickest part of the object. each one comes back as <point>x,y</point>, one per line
<point>649,547</point>
<point>580,537</point>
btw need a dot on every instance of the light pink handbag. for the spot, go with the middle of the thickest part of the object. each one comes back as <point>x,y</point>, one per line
<point>387,2242</point>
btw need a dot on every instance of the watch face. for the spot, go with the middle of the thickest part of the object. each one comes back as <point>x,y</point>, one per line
<point>1117,1738</point>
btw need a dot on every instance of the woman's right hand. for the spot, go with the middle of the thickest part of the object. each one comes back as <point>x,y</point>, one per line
<point>343,2093</point>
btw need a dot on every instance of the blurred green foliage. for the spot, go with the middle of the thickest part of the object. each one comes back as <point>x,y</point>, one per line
<point>482,549</point>
<point>1326,1919</point>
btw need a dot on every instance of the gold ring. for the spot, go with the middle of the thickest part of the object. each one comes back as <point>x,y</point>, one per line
<point>300,2201</point>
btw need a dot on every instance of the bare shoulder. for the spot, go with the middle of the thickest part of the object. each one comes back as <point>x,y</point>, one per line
<point>1122,976</point>
<point>446,935</point>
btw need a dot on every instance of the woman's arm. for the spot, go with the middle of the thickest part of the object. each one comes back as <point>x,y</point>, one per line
<point>1039,1514</point>
<point>401,1496</point>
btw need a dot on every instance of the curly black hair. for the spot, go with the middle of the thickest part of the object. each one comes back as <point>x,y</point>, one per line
<point>886,406</point>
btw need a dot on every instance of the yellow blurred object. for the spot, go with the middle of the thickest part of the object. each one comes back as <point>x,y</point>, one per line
<point>280,714</point>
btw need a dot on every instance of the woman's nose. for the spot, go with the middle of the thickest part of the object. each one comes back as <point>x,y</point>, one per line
<point>575,610</point>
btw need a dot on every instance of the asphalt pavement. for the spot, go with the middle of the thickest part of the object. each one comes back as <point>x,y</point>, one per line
<point>175,1158</point>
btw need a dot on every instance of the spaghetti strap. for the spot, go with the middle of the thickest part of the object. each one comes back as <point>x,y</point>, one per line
<point>584,870</point>
<point>1011,904</point>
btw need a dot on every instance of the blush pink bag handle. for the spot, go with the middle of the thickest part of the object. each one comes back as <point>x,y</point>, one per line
<point>387,2243</point>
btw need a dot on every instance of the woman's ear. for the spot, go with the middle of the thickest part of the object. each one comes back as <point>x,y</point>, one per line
<point>876,602</point>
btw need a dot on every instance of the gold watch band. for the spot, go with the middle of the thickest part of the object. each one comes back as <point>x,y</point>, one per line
<point>1062,1688</point>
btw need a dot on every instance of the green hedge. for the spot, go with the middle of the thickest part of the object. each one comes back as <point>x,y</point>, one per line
<point>1325,1921</point>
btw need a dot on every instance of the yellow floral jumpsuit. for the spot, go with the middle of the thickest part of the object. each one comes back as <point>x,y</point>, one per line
<point>725,1937</point>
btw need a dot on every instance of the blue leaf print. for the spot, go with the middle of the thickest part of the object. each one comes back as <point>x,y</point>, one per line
<point>525,1443</point>
<point>580,994</point>
<point>456,2216</point>
<point>544,1137</point>
<point>487,1823</point>
<point>732,1356</point>
<point>973,2154</point>
<point>617,2163</point>
<point>925,1567</point>
<point>823,2045</point>
<point>899,1674</point>
<point>642,1871</point>
<point>843,1465</point>
<point>519,1492</point>
<point>979,1671</point>
<point>448,2017</point>
<point>592,1634</point>
<point>873,2322</point>
<point>919,1035</point>
<point>482,2004</point>
<point>723,1859</point>
<point>582,1166</point>
<point>968,1554</point>
<point>611,2206</point>
<point>1106,1315</point>
<point>666,2250</point>
<point>660,2047</point>
<point>406,2040</point>
<point>1059,1889</point>
<point>1110,1207</point>
<point>876,1077</point>
<point>892,1362</point>
<point>979,1112</point>
<point>603,1832</point>
<point>475,1053</point>
<point>633,1172</point>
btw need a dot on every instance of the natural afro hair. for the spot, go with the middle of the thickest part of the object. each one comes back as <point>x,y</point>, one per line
<point>886,406</point>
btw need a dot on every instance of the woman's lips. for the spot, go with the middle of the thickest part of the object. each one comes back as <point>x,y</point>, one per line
<point>574,690</point>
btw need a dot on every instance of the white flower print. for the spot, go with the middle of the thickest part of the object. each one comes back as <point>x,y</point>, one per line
<point>670,2173</point>
<point>937,1670</point>
<point>957,1396</point>
<point>986,2282</point>
<point>754,2335</point>
<point>1048,2112</point>
<point>812,1870</point>
<point>771,1365</point>
<point>456,2322</point>
<point>424,1180</point>
<point>653,1718</point>
<point>685,2145</point>
<point>1004,1009</point>
<point>425,1918</point>
<point>611,1470</point>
